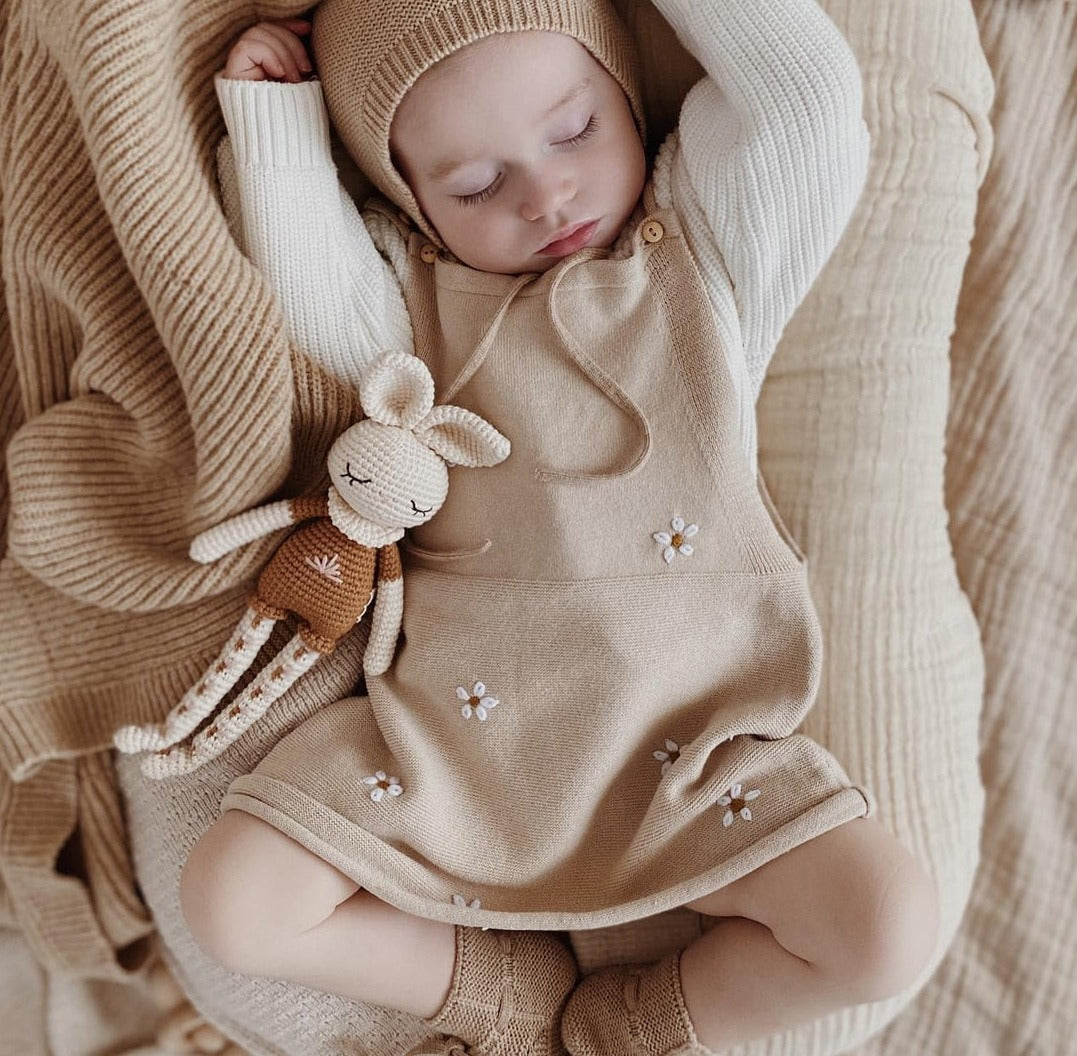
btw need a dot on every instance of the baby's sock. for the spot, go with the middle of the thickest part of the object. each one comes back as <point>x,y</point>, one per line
<point>631,1010</point>
<point>507,993</point>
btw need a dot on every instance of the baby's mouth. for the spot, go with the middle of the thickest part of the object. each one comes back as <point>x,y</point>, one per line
<point>569,239</point>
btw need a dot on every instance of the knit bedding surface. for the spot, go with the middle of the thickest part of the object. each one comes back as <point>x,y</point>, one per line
<point>149,391</point>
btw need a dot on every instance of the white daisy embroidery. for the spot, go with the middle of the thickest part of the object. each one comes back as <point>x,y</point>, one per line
<point>461,902</point>
<point>383,786</point>
<point>736,802</point>
<point>669,756</point>
<point>326,565</point>
<point>675,541</point>
<point>476,702</point>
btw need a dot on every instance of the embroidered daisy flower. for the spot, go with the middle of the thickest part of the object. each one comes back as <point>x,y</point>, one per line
<point>476,702</point>
<point>383,786</point>
<point>736,802</point>
<point>461,902</point>
<point>675,541</point>
<point>669,756</point>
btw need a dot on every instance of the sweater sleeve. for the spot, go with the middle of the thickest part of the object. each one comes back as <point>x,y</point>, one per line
<point>768,161</point>
<point>340,297</point>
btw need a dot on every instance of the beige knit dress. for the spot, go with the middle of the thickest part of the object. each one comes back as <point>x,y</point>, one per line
<point>607,641</point>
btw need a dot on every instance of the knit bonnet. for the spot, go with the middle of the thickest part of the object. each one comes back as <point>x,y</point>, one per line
<point>370,52</point>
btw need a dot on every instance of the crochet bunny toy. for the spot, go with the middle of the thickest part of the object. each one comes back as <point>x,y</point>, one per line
<point>389,474</point>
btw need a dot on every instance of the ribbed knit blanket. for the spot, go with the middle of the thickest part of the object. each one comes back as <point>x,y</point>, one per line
<point>147,391</point>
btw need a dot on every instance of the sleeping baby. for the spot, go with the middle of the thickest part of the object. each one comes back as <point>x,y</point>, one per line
<point>608,642</point>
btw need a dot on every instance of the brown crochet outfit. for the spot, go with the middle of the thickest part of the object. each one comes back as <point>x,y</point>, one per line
<point>321,576</point>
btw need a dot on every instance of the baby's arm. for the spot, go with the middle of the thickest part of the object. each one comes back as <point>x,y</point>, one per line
<point>772,158</point>
<point>300,228</point>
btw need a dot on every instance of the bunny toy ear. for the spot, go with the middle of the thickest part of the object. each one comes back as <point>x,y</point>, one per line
<point>396,389</point>
<point>462,438</point>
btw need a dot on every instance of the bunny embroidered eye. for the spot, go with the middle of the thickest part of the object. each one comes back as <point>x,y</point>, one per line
<point>422,513</point>
<point>351,478</point>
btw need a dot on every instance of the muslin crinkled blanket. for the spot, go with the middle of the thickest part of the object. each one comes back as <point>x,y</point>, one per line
<point>140,358</point>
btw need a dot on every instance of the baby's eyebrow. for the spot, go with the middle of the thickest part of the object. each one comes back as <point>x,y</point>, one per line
<point>572,94</point>
<point>443,170</point>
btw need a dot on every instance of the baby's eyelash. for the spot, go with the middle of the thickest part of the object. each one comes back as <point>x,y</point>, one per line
<point>480,196</point>
<point>351,478</point>
<point>586,132</point>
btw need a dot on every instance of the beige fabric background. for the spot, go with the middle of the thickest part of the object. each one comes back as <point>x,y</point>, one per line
<point>1008,984</point>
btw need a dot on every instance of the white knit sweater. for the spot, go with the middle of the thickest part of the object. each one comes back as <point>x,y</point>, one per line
<point>764,169</point>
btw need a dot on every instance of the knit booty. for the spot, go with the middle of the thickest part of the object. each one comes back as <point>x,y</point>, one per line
<point>631,1010</point>
<point>507,993</point>
<point>439,1047</point>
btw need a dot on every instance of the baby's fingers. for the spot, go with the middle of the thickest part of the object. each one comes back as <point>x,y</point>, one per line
<point>288,37</point>
<point>255,58</point>
<point>266,52</point>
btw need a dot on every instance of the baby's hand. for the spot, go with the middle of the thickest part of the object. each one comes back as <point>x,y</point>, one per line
<point>270,51</point>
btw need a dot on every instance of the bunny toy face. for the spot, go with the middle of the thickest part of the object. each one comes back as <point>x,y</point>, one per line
<point>391,468</point>
<point>388,475</point>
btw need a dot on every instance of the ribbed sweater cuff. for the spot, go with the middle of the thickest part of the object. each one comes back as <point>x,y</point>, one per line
<point>273,124</point>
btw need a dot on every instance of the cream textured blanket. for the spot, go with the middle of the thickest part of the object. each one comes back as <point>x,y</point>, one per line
<point>141,357</point>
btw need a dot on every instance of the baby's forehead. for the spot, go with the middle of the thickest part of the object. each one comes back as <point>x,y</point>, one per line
<point>523,77</point>
<point>511,58</point>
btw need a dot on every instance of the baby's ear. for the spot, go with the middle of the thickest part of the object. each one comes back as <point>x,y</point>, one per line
<point>396,389</point>
<point>462,438</point>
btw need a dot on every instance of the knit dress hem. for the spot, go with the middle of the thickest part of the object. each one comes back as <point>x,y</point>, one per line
<point>284,807</point>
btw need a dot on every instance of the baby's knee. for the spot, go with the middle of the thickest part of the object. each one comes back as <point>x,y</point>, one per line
<point>894,939</point>
<point>238,894</point>
<point>217,899</point>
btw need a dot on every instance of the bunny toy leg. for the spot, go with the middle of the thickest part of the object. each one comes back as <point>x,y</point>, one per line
<point>239,651</point>
<point>294,660</point>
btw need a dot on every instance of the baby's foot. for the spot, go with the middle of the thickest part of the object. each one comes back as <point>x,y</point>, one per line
<point>508,990</point>
<point>632,1010</point>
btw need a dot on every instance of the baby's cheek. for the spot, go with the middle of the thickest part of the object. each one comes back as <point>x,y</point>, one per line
<point>486,245</point>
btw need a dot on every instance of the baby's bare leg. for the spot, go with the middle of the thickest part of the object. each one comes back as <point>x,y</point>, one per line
<point>846,918</point>
<point>260,904</point>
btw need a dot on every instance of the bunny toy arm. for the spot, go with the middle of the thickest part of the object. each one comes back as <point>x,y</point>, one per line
<point>245,527</point>
<point>388,612</point>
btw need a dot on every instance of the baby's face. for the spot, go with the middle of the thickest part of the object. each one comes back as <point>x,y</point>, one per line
<point>520,149</point>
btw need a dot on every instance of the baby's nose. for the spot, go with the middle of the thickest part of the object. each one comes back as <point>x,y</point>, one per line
<point>546,194</point>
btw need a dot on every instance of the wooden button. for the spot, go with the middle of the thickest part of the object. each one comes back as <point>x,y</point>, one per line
<point>429,253</point>
<point>652,231</point>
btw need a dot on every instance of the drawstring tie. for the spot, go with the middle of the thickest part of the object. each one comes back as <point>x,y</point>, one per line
<point>482,349</point>
<point>606,385</point>
<point>590,369</point>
